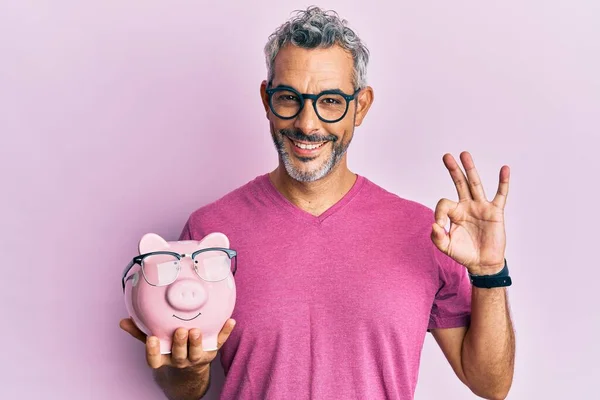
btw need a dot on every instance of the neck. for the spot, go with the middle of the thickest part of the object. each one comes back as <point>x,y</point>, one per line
<point>314,197</point>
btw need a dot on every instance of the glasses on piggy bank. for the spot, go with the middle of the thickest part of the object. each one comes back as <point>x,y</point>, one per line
<point>161,268</point>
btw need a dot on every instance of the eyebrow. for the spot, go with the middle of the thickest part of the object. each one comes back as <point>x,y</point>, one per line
<point>334,90</point>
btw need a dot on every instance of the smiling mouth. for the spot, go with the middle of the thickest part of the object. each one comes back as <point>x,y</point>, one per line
<point>308,146</point>
<point>187,319</point>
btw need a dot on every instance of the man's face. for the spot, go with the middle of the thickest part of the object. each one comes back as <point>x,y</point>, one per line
<point>308,147</point>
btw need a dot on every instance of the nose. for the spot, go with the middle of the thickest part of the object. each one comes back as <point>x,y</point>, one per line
<point>186,295</point>
<point>307,121</point>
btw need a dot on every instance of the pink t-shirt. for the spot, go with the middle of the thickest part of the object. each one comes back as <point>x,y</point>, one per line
<point>335,306</point>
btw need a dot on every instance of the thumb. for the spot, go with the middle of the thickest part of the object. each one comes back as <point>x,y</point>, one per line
<point>129,326</point>
<point>440,238</point>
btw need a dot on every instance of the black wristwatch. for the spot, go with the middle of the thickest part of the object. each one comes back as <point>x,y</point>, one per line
<point>500,279</point>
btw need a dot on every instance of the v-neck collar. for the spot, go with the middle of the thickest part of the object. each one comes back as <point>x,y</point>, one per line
<point>282,201</point>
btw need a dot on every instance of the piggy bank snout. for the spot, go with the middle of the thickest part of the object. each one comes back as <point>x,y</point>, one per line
<point>186,295</point>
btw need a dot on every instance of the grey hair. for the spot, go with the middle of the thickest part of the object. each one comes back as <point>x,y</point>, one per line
<point>316,28</point>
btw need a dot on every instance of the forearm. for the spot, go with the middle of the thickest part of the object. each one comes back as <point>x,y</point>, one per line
<point>489,345</point>
<point>183,384</point>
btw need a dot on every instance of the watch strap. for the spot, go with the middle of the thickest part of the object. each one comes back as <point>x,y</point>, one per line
<point>501,279</point>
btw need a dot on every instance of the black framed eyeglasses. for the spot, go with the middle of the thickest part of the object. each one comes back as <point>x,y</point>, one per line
<point>161,268</point>
<point>330,105</point>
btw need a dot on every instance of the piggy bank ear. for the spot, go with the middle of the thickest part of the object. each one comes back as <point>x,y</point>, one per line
<point>215,239</point>
<point>152,242</point>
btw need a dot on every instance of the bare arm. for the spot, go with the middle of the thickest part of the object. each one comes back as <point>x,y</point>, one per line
<point>483,355</point>
<point>488,351</point>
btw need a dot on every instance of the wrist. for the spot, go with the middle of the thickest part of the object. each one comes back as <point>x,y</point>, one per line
<point>488,281</point>
<point>488,270</point>
<point>200,369</point>
<point>183,374</point>
<point>183,383</point>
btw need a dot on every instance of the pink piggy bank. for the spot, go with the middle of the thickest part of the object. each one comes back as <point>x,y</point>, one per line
<point>187,284</point>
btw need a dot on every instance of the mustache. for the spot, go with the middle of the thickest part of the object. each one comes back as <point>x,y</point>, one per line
<point>301,137</point>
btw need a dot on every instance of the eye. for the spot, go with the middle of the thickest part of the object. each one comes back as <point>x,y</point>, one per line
<point>287,98</point>
<point>331,100</point>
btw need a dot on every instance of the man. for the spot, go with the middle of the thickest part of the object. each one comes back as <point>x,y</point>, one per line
<point>338,279</point>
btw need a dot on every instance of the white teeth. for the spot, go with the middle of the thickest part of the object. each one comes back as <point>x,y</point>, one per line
<point>308,146</point>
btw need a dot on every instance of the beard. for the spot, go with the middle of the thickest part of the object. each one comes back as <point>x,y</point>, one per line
<point>339,148</point>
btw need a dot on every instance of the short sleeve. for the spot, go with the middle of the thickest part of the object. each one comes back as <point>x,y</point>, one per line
<point>185,233</point>
<point>452,304</point>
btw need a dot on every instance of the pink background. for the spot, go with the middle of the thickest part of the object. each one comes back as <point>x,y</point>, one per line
<point>122,117</point>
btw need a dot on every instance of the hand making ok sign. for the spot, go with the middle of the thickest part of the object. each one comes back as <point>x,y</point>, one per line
<point>477,237</point>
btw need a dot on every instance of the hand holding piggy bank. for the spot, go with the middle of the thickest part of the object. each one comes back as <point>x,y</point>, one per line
<point>186,284</point>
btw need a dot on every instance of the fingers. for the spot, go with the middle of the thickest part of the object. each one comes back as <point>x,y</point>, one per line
<point>468,187</point>
<point>459,179</point>
<point>440,238</point>
<point>153,357</point>
<point>195,352</point>
<point>225,332</point>
<point>475,186</point>
<point>186,349</point>
<point>129,326</point>
<point>179,349</point>
<point>442,209</point>
<point>502,193</point>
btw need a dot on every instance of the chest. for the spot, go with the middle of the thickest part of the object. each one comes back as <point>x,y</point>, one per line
<point>345,281</point>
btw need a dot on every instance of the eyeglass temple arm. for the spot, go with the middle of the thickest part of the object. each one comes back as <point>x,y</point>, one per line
<point>233,254</point>
<point>125,271</point>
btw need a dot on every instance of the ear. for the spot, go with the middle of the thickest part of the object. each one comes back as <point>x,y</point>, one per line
<point>264,96</point>
<point>363,103</point>
<point>215,239</point>
<point>152,242</point>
